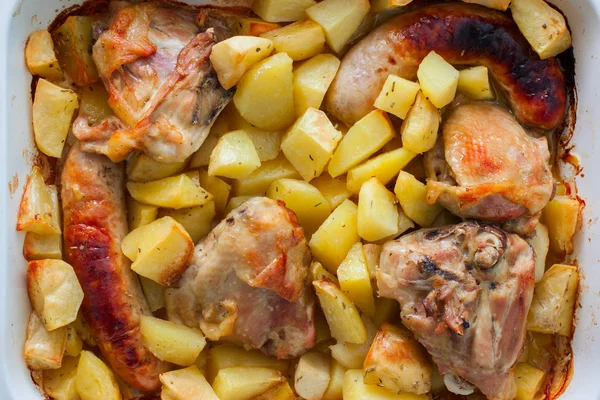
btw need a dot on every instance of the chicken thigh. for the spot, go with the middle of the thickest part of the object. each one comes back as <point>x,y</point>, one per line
<point>153,60</point>
<point>485,166</point>
<point>248,282</point>
<point>464,291</point>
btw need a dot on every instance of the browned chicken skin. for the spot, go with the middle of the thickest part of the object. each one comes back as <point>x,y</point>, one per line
<point>248,282</point>
<point>464,291</point>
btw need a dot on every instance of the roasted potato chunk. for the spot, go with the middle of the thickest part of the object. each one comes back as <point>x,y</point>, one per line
<point>334,189</point>
<point>154,293</point>
<point>260,179</point>
<point>185,384</point>
<point>352,355</point>
<point>60,383</point>
<point>397,95</point>
<point>561,217</point>
<point>356,389</point>
<point>243,383</point>
<point>283,391</point>
<point>497,4</point>
<point>311,81</point>
<point>176,192</point>
<point>317,272</point>
<point>94,380</point>
<point>39,247</point>
<point>419,130</point>
<point>43,350</point>
<point>252,27</point>
<point>300,40</point>
<point>438,79</point>
<point>281,10</point>
<point>529,381</point>
<point>234,156</point>
<point>355,282</point>
<point>412,195</point>
<point>139,214</point>
<point>377,212</point>
<point>219,189</point>
<point>312,375</point>
<point>94,103</point>
<point>74,343</point>
<point>475,83</point>
<point>336,381</point>
<point>40,57</point>
<point>227,356</point>
<point>39,211</point>
<point>540,241</point>
<point>197,221</point>
<point>73,41</point>
<point>142,168</point>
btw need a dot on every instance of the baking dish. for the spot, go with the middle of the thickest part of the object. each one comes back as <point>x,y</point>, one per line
<point>21,17</point>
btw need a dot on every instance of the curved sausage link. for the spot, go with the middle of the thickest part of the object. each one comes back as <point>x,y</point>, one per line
<point>464,34</point>
<point>95,222</point>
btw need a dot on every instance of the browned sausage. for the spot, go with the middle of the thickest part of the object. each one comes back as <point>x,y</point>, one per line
<point>95,222</point>
<point>464,34</point>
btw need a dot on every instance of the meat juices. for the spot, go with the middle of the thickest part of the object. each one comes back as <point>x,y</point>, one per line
<point>153,60</point>
<point>248,282</point>
<point>464,291</point>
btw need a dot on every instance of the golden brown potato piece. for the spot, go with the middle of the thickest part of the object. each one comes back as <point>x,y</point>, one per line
<point>43,350</point>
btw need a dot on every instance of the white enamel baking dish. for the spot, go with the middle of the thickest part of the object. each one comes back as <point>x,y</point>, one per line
<point>18,18</point>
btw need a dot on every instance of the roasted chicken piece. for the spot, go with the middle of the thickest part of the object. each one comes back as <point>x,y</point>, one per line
<point>153,60</point>
<point>247,283</point>
<point>485,166</point>
<point>464,291</point>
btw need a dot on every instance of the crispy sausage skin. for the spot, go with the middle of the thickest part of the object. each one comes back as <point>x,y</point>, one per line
<point>464,34</point>
<point>95,222</point>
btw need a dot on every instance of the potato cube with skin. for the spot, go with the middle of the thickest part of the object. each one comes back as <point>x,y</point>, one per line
<point>139,214</point>
<point>43,349</point>
<point>73,40</point>
<point>339,19</point>
<point>385,5</point>
<point>377,212</point>
<point>438,79</point>
<point>74,344</point>
<point>475,83</point>
<point>544,27</point>
<point>234,156</point>
<point>283,391</point>
<point>501,5</point>
<point>561,216</point>
<point>312,79</point>
<point>318,272</point>
<point>176,192</point>
<point>384,167</point>
<point>154,293</point>
<point>300,40</point>
<point>39,211</point>
<point>397,362</point>
<point>365,137</point>
<point>312,375</point>
<point>53,109</point>
<point>142,168</point>
<point>281,10</point>
<point>54,292</point>
<point>243,383</point>
<point>184,384</point>
<point>355,280</point>
<point>252,27</point>
<point>94,380</point>
<point>334,189</point>
<point>356,389</point>
<point>540,241</point>
<point>265,94</point>
<point>94,103</point>
<point>197,221</point>
<point>304,200</point>
<point>352,355</point>
<point>60,383</point>
<point>336,381</point>
<point>397,95</point>
<point>419,130</point>
<point>39,247</point>
<point>553,303</point>
<point>270,171</point>
<point>40,57</point>
<point>310,142</point>
<point>232,57</point>
<point>341,314</point>
<point>227,356</point>
<point>219,189</point>
<point>412,195</point>
<point>334,238</point>
<point>170,341</point>
<point>529,380</point>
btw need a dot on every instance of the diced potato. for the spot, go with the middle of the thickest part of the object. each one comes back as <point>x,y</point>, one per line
<point>334,238</point>
<point>474,82</point>
<point>267,143</point>
<point>53,109</point>
<point>552,307</point>
<point>60,383</point>
<point>336,381</point>
<point>497,4</point>
<point>541,350</point>
<point>355,389</point>
<point>141,168</point>
<point>352,355</point>
<point>94,103</point>
<point>39,247</point>
<point>561,216</point>
<point>544,27</point>
<point>355,281</point>
<point>94,380</point>
<point>310,142</point>
<point>540,241</point>
<point>252,27</point>
<point>219,189</point>
<point>170,341</point>
<point>419,130</point>
<point>178,191</point>
<point>300,40</point>
<point>385,5</point>
<point>39,211</point>
<point>40,57</point>
<point>139,214</point>
<point>341,314</point>
<point>283,391</point>
<point>73,41</point>
<point>281,10</point>
<point>312,375</point>
<point>154,293</point>
<point>235,202</point>
<point>322,331</point>
<point>201,158</point>
<point>397,362</point>
<point>185,384</point>
<point>372,253</point>
<point>303,199</point>
<point>265,94</point>
<point>384,167</point>
<point>367,136</point>
<point>334,189</point>
<point>54,292</point>
<point>318,272</point>
<point>386,310</point>
<point>74,344</point>
<point>397,95</point>
<point>529,381</point>
<point>43,350</point>
<point>312,79</point>
<point>438,79</point>
<point>377,212</point>
<point>232,57</point>
<point>197,221</point>
<point>83,330</point>
<point>339,19</point>
<point>243,383</point>
<point>228,356</point>
<point>234,156</point>
<point>270,171</point>
<point>412,196</point>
